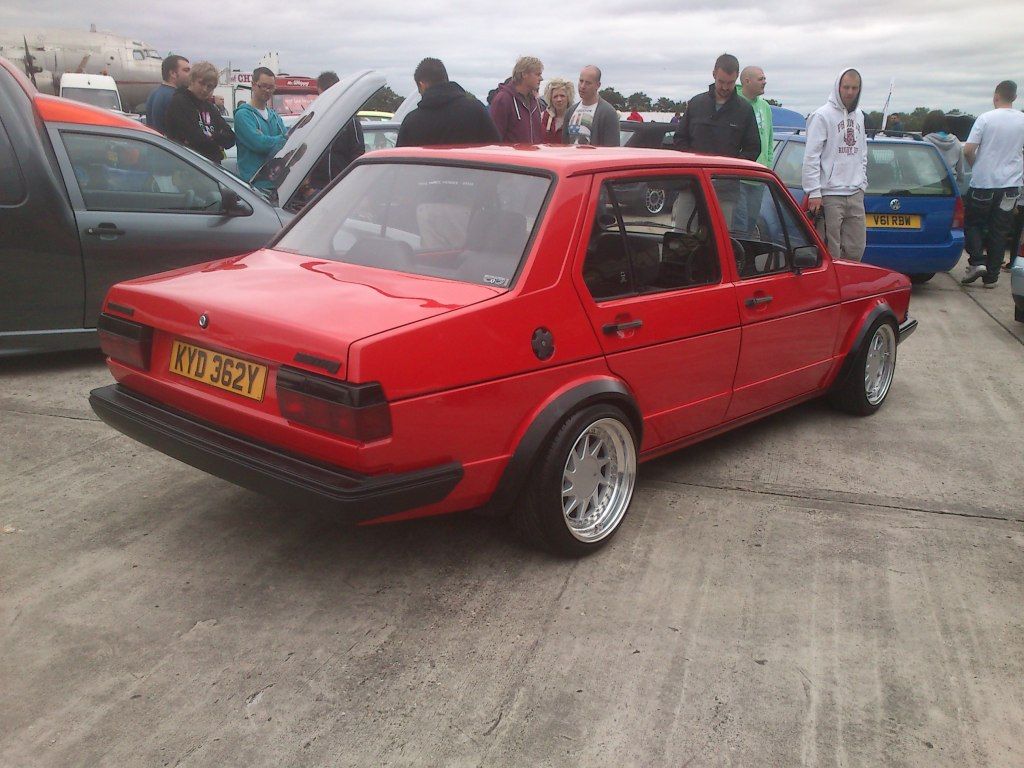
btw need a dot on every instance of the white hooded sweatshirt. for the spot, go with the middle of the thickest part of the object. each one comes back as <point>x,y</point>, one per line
<point>836,157</point>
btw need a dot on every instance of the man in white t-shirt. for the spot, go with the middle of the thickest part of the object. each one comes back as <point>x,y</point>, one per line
<point>591,120</point>
<point>995,150</point>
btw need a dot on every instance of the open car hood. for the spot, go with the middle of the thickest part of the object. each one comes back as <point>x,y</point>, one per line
<point>314,132</point>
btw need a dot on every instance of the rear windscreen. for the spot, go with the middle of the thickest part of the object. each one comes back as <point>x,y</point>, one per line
<point>466,224</point>
<point>896,169</point>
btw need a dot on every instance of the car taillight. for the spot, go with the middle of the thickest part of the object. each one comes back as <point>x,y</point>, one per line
<point>356,411</point>
<point>958,213</point>
<point>125,341</point>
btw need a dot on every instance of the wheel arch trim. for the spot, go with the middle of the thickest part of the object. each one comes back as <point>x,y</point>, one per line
<point>547,420</point>
<point>880,310</point>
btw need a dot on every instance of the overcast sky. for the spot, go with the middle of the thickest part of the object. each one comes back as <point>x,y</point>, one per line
<point>941,53</point>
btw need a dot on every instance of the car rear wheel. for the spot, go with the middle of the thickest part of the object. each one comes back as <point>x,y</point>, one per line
<point>579,495</point>
<point>921,277</point>
<point>870,379</point>
<point>654,200</point>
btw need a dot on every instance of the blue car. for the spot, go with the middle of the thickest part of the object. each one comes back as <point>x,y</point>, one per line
<point>915,216</point>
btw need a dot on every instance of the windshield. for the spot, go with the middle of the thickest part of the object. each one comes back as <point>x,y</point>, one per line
<point>95,96</point>
<point>465,224</point>
<point>292,103</point>
<point>895,169</point>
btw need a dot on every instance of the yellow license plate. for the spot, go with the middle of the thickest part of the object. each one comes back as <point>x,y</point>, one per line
<point>218,370</point>
<point>893,221</point>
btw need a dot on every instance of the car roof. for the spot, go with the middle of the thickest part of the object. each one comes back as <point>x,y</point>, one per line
<point>802,138</point>
<point>565,160</point>
<point>53,109</point>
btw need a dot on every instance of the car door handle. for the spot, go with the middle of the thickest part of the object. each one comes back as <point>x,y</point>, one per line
<point>755,301</point>
<point>104,230</point>
<point>611,328</point>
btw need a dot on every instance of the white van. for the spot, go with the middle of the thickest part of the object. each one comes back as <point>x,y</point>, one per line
<point>98,90</point>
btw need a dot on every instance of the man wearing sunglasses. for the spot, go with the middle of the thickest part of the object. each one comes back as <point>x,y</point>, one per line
<point>259,130</point>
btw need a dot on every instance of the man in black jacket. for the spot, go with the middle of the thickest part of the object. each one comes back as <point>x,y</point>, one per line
<point>446,114</point>
<point>718,122</point>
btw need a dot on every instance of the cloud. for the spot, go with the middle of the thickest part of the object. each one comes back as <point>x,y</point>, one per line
<point>937,56</point>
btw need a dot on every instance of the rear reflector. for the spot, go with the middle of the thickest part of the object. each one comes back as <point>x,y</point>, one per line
<point>356,411</point>
<point>958,213</point>
<point>125,341</point>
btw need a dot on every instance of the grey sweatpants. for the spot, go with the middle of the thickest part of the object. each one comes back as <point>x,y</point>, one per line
<point>842,227</point>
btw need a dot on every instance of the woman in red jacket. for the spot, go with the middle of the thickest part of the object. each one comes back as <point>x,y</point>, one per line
<point>558,95</point>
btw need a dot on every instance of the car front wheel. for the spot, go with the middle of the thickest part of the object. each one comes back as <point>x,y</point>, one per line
<point>921,277</point>
<point>869,380</point>
<point>579,495</point>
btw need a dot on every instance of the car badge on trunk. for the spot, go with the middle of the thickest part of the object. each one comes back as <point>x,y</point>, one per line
<point>894,204</point>
<point>204,320</point>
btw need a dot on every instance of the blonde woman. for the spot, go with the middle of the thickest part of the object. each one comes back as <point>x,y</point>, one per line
<point>558,95</point>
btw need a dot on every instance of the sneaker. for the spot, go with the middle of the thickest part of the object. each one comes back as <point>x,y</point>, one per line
<point>987,284</point>
<point>972,273</point>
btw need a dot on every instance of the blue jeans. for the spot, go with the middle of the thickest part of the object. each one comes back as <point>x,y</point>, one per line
<point>988,216</point>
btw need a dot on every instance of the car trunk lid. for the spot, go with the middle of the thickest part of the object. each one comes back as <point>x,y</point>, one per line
<point>283,308</point>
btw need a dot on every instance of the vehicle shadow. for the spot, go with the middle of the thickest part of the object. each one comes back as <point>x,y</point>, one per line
<point>52,362</point>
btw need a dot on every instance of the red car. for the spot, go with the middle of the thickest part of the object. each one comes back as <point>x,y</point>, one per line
<point>447,329</point>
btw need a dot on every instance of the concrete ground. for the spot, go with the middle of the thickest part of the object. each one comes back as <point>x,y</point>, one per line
<point>814,590</point>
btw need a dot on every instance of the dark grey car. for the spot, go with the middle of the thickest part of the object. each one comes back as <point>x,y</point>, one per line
<point>88,200</point>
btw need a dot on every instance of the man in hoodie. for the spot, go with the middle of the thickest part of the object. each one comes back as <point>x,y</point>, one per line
<point>447,114</point>
<point>515,109</point>
<point>259,130</point>
<point>993,149</point>
<point>835,170</point>
<point>591,120</point>
<point>718,121</point>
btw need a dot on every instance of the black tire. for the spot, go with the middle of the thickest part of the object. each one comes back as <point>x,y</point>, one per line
<point>858,393</point>
<point>921,277</point>
<point>539,516</point>
<point>1018,314</point>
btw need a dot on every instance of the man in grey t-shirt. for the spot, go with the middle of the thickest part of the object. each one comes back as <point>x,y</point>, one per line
<point>591,120</point>
<point>994,150</point>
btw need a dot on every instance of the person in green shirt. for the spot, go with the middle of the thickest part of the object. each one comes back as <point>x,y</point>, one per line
<point>750,88</point>
<point>747,214</point>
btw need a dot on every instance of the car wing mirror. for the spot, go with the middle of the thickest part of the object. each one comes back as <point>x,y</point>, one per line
<point>231,203</point>
<point>806,257</point>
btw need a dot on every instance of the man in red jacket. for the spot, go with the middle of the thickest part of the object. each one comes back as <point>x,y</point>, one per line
<point>515,109</point>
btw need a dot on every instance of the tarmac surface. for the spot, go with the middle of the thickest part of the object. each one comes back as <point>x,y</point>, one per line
<point>814,589</point>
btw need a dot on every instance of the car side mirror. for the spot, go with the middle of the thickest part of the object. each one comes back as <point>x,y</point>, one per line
<point>806,257</point>
<point>231,204</point>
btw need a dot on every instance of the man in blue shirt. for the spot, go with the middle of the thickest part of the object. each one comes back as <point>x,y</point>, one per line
<point>259,130</point>
<point>175,71</point>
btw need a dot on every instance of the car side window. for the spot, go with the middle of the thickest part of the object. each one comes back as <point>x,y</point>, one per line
<point>12,185</point>
<point>764,228</point>
<point>650,235</point>
<point>122,174</point>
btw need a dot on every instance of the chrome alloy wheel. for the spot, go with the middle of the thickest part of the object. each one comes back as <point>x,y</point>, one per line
<point>654,199</point>
<point>880,364</point>
<point>598,480</point>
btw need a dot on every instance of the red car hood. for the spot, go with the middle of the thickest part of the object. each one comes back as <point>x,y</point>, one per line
<point>272,304</point>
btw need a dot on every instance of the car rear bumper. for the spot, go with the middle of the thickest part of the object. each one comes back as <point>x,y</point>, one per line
<point>268,470</point>
<point>915,259</point>
<point>907,327</point>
